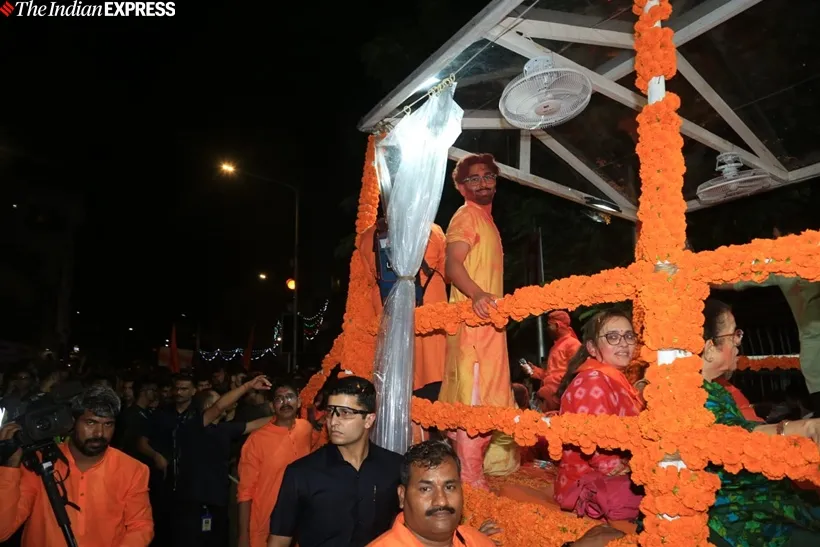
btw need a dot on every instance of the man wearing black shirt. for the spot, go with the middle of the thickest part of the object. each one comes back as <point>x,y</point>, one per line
<point>201,504</point>
<point>134,420</point>
<point>345,493</point>
<point>159,446</point>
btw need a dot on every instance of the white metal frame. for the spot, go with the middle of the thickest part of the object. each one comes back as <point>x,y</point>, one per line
<point>503,24</point>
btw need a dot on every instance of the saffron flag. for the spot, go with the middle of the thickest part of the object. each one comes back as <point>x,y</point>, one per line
<point>173,364</point>
<point>246,356</point>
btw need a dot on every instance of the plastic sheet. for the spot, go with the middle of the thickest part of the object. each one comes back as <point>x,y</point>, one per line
<point>411,164</point>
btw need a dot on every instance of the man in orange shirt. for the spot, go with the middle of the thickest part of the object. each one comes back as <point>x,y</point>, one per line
<point>265,455</point>
<point>477,370</point>
<point>108,489</point>
<point>429,349</point>
<point>564,347</point>
<point>432,500</point>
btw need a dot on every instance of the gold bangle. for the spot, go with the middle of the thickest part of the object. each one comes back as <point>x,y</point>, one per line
<point>781,427</point>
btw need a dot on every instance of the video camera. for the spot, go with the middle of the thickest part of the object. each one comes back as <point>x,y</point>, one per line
<point>44,417</point>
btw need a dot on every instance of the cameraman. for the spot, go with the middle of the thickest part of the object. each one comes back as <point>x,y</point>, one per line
<point>107,490</point>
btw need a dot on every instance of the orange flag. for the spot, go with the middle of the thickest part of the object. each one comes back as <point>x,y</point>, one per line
<point>173,365</point>
<point>246,357</point>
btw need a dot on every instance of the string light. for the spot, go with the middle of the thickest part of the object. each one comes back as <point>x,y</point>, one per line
<point>311,328</point>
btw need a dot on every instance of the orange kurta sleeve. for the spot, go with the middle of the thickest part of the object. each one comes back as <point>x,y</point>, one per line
<point>19,489</point>
<point>248,471</point>
<point>137,518</point>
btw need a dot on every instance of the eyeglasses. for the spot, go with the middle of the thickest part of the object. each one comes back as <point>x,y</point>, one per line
<point>737,337</point>
<point>614,338</point>
<point>285,398</point>
<point>346,413</point>
<point>475,180</point>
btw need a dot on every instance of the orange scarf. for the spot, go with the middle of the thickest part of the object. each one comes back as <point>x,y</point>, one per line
<point>616,375</point>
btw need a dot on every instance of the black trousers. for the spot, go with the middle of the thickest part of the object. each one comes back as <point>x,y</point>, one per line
<point>187,525</point>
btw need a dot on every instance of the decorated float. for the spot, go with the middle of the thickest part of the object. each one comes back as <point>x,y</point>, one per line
<point>673,441</point>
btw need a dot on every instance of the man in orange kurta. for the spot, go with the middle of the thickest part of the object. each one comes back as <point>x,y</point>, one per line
<point>428,350</point>
<point>265,455</point>
<point>564,348</point>
<point>108,489</point>
<point>477,370</point>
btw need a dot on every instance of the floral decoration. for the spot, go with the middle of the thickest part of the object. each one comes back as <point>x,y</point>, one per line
<point>768,363</point>
<point>654,48</point>
<point>527,523</point>
<point>668,285</point>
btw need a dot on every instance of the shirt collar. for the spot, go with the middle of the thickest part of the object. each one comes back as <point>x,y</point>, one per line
<point>406,538</point>
<point>334,457</point>
<point>72,463</point>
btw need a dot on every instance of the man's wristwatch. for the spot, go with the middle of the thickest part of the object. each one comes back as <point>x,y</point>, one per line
<point>781,427</point>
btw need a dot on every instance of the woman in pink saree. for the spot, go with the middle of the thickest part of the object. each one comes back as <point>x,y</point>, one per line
<point>598,485</point>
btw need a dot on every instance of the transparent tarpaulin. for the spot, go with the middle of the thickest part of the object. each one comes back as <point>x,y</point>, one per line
<point>411,163</point>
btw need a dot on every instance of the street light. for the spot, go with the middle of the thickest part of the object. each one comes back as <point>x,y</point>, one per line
<point>263,276</point>
<point>230,169</point>
<point>291,283</point>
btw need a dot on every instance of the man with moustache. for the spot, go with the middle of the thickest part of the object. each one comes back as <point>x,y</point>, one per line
<point>265,455</point>
<point>108,489</point>
<point>345,493</point>
<point>432,502</point>
<point>477,370</point>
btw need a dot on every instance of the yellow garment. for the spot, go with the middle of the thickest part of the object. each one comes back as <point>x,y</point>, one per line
<point>477,369</point>
<point>503,457</point>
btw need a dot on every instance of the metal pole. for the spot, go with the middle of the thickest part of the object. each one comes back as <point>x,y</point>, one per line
<point>540,319</point>
<point>295,277</point>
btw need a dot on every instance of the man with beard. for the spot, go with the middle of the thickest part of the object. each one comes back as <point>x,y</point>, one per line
<point>432,502</point>
<point>344,494</point>
<point>265,456</point>
<point>201,501</point>
<point>108,489</point>
<point>477,370</point>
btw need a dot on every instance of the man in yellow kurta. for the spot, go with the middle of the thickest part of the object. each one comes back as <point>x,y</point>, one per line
<point>477,370</point>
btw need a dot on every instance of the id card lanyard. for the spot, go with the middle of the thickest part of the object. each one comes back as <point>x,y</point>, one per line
<point>206,519</point>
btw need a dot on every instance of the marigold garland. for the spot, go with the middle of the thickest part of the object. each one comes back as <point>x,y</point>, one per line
<point>527,524</point>
<point>661,205</point>
<point>654,47</point>
<point>768,363</point>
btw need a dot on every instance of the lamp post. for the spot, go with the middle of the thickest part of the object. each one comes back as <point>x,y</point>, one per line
<point>230,169</point>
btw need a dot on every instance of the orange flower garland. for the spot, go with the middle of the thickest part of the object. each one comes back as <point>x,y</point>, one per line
<point>526,523</point>
<point>768,363</point>
<point>616,285</point>
<point>661,206</point>
<point>654,48</point>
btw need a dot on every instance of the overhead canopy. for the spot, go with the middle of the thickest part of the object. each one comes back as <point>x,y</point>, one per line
<point>747,75</point>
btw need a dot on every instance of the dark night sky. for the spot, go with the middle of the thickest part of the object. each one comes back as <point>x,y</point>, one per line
<point>134,114</point>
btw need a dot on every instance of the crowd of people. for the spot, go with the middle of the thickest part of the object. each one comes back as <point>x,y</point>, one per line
<point>164,478</point>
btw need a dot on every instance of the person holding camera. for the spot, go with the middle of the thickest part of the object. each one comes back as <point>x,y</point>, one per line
<point>105,490</point>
